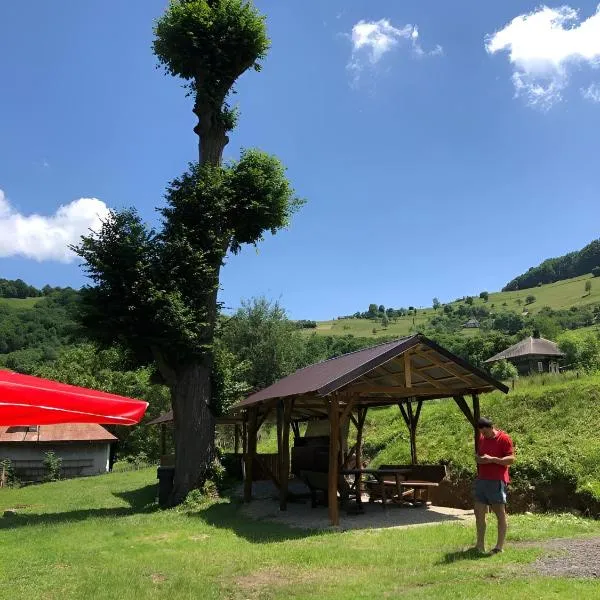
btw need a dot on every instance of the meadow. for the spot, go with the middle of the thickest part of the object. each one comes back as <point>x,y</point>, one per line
<point>104,538</point>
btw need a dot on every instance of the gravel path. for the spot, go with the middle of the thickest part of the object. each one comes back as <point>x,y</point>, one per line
<point>571,558</point>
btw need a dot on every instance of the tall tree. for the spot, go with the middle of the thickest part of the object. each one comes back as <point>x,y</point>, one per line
<point>156,291</point>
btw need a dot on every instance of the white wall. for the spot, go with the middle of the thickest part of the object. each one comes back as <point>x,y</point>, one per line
<point>78,458</point>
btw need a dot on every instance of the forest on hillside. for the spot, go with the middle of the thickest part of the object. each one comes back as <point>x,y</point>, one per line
<point>573,264</point>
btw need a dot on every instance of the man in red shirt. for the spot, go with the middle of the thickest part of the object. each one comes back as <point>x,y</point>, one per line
<point>494,455</point>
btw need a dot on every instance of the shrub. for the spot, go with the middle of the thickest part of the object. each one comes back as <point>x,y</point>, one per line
<point>596,271</point>
<point>530,299</point>
<point>52,464</point>
<point>484,296</point>
<point>7,473</point>
<point>588,286</point>
<point>582,351</point>
<point>469,300</point>
<point>504,370</point>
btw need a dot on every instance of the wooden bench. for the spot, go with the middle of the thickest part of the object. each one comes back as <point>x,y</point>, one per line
<point>412,487</point>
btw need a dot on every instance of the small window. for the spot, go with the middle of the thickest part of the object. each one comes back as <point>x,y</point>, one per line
<point>540,366</point>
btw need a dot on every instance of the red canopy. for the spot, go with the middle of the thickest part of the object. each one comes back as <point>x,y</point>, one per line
<point>27,400</point>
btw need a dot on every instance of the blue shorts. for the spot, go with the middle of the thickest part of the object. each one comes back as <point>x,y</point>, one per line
<point>490,491</point>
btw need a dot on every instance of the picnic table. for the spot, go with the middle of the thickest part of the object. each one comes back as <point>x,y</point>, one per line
<point>398,487</point>
<point>379,475</point>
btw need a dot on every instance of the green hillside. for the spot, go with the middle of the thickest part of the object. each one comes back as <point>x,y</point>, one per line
<point>553,421</point>
<point>559,295</point>
<point>19,302</point>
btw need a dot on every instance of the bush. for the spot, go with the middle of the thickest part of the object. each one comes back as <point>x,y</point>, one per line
<point>484,296</point>
<point>504,370</point>
<point>596,271</point>
<point>582,350</point>
<point>7,473</point>
<point>530,299</point>
<point>52,464</point>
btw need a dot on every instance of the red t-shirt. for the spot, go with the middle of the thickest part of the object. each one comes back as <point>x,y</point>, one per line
<point>499,446</point>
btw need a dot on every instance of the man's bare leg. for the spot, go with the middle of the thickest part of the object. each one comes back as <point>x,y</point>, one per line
<point>500,512</point>
<point>480,512</point>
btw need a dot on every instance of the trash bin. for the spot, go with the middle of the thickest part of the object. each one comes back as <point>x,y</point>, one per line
<point>165,484</point>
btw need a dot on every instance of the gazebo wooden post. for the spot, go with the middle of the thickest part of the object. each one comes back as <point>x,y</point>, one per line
<point>284,454</point>
<point>250,452</point>
<point>236,439</point>
<point>334,434</point>
<point>411,418</point>
<point>362,415</point>
<point>476,416</point>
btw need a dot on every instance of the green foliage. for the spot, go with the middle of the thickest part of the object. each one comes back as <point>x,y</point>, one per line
<point>484,296</point>
<point>582,350</point>
<point>588,286</point>
<point>158,290</point>
<point>229,378</point>
<point>30,336</point>
<point>53,464</point>
<point>570,265</point>
<point>261,336</point>
<point>7,474</point>
<point>504,370</point>
<point>596,271</point>
<point>530,299</point>
<point>436,304</point>
<point>469,300</point>
<point>17,288</point>
<point>212,41</point>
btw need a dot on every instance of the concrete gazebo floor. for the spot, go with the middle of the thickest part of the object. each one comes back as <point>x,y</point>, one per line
<point>300,515</point>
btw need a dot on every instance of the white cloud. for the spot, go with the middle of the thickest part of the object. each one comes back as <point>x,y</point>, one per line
<point>543,46</point>
<point>371,40</point>
<point>48,237</point>
<point>591,93</point>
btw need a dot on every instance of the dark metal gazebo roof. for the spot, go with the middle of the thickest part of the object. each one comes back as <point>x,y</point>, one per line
<point>410,367</point>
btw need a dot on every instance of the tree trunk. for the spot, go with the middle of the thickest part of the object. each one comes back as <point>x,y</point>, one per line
<point>212,136</point>
<point>194,428</point>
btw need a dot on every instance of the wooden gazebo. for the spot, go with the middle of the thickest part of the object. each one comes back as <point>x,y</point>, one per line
<point>406,372</point>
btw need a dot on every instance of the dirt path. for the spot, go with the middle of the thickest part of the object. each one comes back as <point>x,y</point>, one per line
<point>571,558</point>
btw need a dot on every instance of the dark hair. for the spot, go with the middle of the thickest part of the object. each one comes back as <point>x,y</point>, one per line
<point>484,422</point>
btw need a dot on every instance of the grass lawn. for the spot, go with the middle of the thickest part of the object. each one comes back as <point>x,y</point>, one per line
<point>103,538</point>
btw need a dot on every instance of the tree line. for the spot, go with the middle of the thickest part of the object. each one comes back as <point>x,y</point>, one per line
<point>17,288</point>
<point>570,265</point>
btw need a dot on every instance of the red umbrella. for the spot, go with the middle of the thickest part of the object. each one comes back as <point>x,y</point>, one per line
<point>27,400</point>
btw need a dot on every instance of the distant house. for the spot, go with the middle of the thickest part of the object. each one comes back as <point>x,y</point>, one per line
<point>531,355</point>
<point>84,449</point>
<point>471,324</point>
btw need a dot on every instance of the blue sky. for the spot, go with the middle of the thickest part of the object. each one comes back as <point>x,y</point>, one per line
<point>442,148</point>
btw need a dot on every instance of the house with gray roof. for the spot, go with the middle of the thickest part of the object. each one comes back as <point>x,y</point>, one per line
<point>531,355</point>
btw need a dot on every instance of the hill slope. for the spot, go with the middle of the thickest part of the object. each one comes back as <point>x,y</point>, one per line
<point>560,295</point>
<point>553,422</point>
<point>570,265</point>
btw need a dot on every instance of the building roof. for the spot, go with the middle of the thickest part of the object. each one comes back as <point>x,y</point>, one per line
<point>410,367</point>
<point>71,432</point>
<point>528,347</point>
<point>472,323</point>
